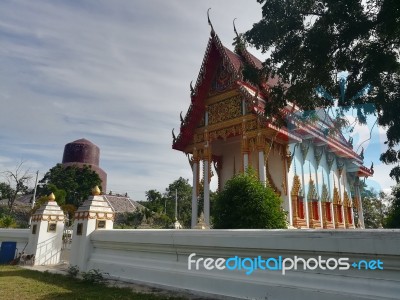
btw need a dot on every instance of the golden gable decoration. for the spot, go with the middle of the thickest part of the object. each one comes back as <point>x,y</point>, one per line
<point>312,192</point>
<point>346,200</point>
<point>296,185</point>
<point>225,110</point>
<point>325,194</point>
<point>336,196</point>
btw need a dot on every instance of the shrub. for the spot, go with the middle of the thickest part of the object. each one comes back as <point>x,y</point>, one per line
<point>73,271</point>
<point>93,276</point>
<point>246,203</point>
<point>7,221</point>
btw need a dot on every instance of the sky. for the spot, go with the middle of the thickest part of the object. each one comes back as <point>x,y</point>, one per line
<point>116,73</point>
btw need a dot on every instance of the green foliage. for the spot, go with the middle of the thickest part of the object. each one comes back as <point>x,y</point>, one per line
<point>93,277</point>
<point>163,205</point>
<point>309,42</point>
<point>73,271</point>
<point>15,218</point>
<point>6,191</point>
<point>374,208</point>
<point>39,202</point>
<point>245,203</point>
<point>60,194</point>
<point>393,217</point>
<point>184,191</point>
<point>155,201</point>
<point>7,221</point>
<point>72,183</point>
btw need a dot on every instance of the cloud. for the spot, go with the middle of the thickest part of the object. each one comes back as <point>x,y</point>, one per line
<point>114,72</point>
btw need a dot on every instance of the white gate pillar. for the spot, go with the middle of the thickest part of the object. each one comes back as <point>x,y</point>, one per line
<point>94,214</point>
<point>45,239</point>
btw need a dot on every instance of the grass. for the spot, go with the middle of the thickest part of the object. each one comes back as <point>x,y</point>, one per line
<point>19,283</point>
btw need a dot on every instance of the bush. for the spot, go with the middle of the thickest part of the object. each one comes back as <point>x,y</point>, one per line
<point>7,221</point>
<point>246,203</point>
<point>93,276</point>
<point>73,271</point>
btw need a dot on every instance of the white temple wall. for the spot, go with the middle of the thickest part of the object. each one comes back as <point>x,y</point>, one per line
<point>253,160</point>
<point>323,173</point>
<point>160,258</point>
<point>290,182</point>
<point>276,165</point>
<point>231,159</point>
<point>20,236</point>
<point>333,176</point>
<point>346,183</point>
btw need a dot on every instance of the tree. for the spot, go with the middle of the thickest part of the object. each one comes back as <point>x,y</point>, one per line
<point>155,201</point>
<point>311,41</point>
<point>16,184</point>
<point>6,191</point>
<point>393,217</point>
<point>59,194</point>
<point>76,182</point>
<point>246,203</point>
<point>163,205</point>
<point>184,192</point>
<point>374,207</point>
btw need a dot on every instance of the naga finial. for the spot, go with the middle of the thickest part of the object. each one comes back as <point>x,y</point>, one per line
<point>191,88</point>
<point>234,28</point>
<point>362,153</point>
<point>209,22</point>
<point>173,135</point>
<point>351,141</point>
<point>180,115</point>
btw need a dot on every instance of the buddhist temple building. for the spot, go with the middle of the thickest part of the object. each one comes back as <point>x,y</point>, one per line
<point>225,130</point>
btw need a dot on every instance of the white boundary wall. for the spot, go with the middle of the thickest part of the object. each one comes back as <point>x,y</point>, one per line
<point>160,258</point>
<point>20,236</point>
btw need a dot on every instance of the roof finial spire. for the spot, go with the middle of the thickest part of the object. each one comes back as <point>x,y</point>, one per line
<point>234,28</point>
<point>191,89</point>
<point>209,22</point>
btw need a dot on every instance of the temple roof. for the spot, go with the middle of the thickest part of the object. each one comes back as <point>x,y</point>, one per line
<point>215,52</point>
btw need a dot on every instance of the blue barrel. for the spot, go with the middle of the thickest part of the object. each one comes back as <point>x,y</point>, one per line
<point>7,252</point>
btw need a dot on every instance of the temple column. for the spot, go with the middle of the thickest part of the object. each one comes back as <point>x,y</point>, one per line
<point>333,212</point>
<point>305,198</point>
<point>261,167</point>
<point>195,167</point>
<point>287,160</point>
<point>360,208</point>
<point>341,193</point>
<point>245,154</point>
<point>321,216</point>
<point>261,159</point>
<point>352,214</point>
<point>207,192</point>
<point>207,157</point>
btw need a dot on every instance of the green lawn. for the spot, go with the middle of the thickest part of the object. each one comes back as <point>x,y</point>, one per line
<point>18,283</point>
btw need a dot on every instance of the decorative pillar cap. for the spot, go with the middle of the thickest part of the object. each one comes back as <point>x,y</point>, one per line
<point>201,224</point>
<point>51,197</point>
<point>96,191</point>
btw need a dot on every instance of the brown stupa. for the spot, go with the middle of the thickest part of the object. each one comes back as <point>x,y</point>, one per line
<point>83,152</point>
